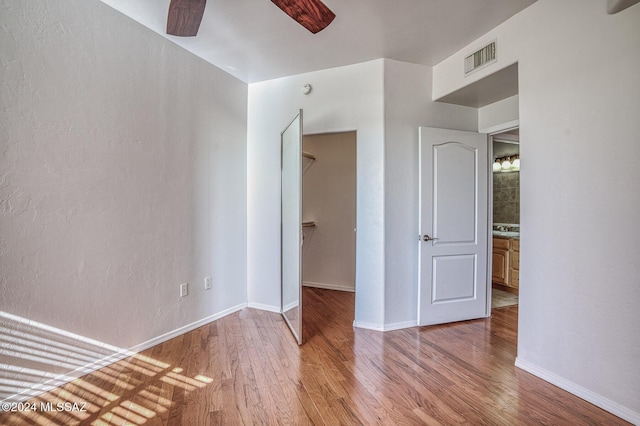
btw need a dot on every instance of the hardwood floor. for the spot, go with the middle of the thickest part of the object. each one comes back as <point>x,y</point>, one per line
<point>246,369</point>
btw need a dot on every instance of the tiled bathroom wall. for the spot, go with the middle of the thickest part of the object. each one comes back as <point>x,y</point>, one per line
<point>506,197</point>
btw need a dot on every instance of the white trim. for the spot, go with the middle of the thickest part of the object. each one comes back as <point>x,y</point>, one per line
<point>290,306</point>
<point>489,227</point>
<point>399,325</point>
<point>368,325</point>
<point>263,307</point>
<point>420,230</point>
<point>326,286</point>
<point>579,391</point>
<point>118,355</point>
<point>491,132</point>
<point>385,327</point>
<point>502,127</point>
<point>177,332</point>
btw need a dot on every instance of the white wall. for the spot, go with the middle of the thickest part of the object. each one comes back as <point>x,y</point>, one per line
<point>495,116</point>
<point>329,198</point>
<point>579,128</point>
<point>343,99</point>
<point>385,101</point>
<point>123,175</point>
<point>408,105</point>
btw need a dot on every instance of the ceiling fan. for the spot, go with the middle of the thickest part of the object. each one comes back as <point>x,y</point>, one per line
<point>185,15</point>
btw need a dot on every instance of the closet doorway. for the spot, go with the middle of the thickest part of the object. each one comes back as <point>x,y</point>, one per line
<point>329,211</point>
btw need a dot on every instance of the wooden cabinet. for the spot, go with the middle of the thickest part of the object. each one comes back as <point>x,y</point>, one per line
<point>506,262</point>
<point>500,263</point>
<point>514,264</point>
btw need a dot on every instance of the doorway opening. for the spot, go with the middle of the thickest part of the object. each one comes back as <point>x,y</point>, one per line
<point>505,263</point>
<point>329,212</point>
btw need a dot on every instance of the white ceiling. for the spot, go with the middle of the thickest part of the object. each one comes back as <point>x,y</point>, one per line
<point>254,40</point>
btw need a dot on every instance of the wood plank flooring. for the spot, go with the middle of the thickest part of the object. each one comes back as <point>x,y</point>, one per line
<point>246,369</point>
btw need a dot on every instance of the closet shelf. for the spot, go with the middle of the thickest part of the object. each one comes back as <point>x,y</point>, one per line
<point>309,156</point>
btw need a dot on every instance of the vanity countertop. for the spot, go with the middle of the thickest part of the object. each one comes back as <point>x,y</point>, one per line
<point>506,230</point>
<point>507,234</point>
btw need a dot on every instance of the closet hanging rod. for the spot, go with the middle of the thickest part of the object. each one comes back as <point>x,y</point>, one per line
<point>310,156</point>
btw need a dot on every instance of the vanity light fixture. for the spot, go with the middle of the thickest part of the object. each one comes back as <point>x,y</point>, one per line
<point>506,164</point>
<point>516,163</point>
<point>509,163</point>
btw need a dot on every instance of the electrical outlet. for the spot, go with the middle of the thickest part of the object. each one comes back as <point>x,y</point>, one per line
<point>184,289</point>
<point>207,283</point>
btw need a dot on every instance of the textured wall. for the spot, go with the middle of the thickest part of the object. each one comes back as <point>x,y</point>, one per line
<point>123,174</point>
<point>343,99</point>
<point>579,128</point>
<point>408,105</point>
<point>385,101</point>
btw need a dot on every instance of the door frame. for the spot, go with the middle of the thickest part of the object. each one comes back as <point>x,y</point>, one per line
<point>294,324</point>
<point>491,132</point>
<point>355,234</point>
<point>300,336</point>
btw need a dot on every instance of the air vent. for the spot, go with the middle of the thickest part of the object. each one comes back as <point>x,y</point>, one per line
<point>480,58</point>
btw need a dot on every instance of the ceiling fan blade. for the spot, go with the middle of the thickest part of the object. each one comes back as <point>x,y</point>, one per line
<point>311,14</point>
<point>185,17</point>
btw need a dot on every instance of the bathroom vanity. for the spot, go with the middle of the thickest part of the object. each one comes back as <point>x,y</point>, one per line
<point>506,257</point>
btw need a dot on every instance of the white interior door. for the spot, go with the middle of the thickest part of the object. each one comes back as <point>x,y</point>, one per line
<point>453,226</point>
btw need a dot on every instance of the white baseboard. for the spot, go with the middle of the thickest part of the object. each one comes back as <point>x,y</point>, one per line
<point>384,327</point>
<point>262,307</point>
<point>339,287</point>
<point>177,332</point>
<point>290,306</point>
<point>579,391</point>
<point>118,355</point>
<point>400,325</point>
<point>368,325</point>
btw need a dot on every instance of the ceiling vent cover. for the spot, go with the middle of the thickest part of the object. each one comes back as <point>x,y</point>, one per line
<point>480,58</point>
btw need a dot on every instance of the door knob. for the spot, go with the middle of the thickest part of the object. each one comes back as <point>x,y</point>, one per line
<point>426,237</point>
